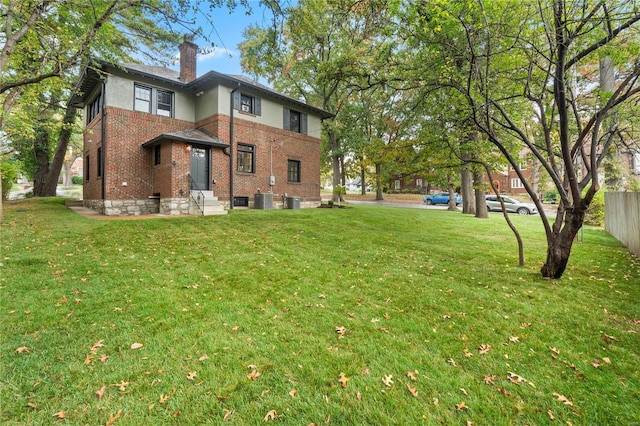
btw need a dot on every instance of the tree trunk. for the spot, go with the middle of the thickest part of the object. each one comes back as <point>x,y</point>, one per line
<point>51,180</point>
<point>66,173</point>
<point>466,192</point>
<point>452,199</point>
<point>378,183</point>
<point>559,248</point>
<point>362,183</point>
<point>41,156</point>
<point>480,199</point>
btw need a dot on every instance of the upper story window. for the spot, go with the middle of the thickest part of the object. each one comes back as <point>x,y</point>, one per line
<point>246,158</point>
<point>247,103</point>
<point>295,121</point>
<point>153,100</point>
<point>94,108</point>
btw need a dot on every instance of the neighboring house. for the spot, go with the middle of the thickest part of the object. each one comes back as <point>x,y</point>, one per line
<point>154,136</point>
<point>410,183</point>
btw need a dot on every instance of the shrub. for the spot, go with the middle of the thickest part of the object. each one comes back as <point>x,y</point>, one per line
<point>595,213</point>
<point>9,172</point>
<point>550,197</point>
<point>76,180</point>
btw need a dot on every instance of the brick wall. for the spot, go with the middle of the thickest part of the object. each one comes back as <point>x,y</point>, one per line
<point>286,145</point>
<point>126,161</point>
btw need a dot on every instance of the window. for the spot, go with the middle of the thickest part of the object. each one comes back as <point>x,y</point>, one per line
<point>94,108</point>
<point>156,154</point>
<point>99,162</point>
<point>246,158</point>
<point>295,121</point>
<point>293,171</point>
<point>418,183</point>
<point>397,184</point>
<point>247,103</point>
<point>516,183</point>
<point>142,99</point>
<point>165,102</point>
<point>153,101</point>
<point>87,168</point>
<point>241,201</point>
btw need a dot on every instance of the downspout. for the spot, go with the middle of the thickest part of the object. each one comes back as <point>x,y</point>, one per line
<point>231,148</point>
<point>102,137</point>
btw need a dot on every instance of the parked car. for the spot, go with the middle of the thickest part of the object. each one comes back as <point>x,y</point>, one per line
<point>512,205</point>
<point>441,198</point>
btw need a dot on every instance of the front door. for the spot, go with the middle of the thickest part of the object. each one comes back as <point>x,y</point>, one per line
<point>200,168</point>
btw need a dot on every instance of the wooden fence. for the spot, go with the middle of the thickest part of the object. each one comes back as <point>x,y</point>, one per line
<point>622,218</point>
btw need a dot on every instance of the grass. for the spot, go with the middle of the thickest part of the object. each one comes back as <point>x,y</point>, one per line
<point>261,293</point>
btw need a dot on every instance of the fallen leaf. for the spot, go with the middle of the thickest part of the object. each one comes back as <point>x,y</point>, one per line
<point>464,391</point>
<point>192,375</point>
<point>89,359</point>
<point>176,414</point>
<point>467,353</point>
<point>412,391</point>
<point>100,393</point>
<point>563,399</point>
<point>452,362</point>
<point>61,414</point>
<point>461,406</point>
<point>596,363</point>
<point>254,374</point>
<point>358,396</point>
<point>343,380</point>
<point>163,398</point>
<point>607,360</point>
<point>555,351</point>
<point>264,392</point>
<point>292,393</point>
<point>122,386</point>
<point>97,345</point>
<point>31,405</point>
<point>387,380</point>
<point>136,345</point>
<point>488,380</point>
<point>436,401</point>
<point>504,392</point>
<point>351,315</point>
<point>412,374</point>
<point>514,339</point>
<point>271,415</point>
<point>550,414</point>
<point>22,349</point>
<point>103,358</point>
<point>113,418</point>
<point>525,325</point>
<point>227,414</point>
<point>483,349</point>
<point>341,330</point>
<point>203,357</point>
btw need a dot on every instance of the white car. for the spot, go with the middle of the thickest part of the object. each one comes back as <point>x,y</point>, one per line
<point>512,205</point>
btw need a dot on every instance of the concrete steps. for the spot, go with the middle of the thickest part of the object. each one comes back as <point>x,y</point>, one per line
<point>211,204</point>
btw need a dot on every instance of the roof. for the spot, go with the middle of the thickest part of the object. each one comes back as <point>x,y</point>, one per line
<point>92,76</point>
<point>192,136</point>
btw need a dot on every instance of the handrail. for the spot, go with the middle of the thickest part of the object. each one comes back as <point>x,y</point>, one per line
<point>200,197</point>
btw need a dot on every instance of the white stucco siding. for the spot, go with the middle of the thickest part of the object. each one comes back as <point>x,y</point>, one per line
<point>271,111</point>
<point>119,93</point>
<point>206,103</point>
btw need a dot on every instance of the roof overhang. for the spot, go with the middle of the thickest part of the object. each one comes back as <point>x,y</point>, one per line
<point>190,136</point>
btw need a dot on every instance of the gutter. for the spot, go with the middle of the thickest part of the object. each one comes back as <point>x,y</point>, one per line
<point>103,139</point>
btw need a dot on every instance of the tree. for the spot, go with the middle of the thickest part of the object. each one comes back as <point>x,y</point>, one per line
<point>325,47</point>
<point>520,62</point>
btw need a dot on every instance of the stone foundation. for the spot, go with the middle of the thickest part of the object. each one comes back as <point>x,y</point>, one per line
<point>175,206</point>
<point>124,207</point>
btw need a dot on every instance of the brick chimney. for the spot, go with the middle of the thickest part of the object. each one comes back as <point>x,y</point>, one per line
<point>188,51</point>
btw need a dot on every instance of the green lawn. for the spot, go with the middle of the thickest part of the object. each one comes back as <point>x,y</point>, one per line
<point>358,316</point>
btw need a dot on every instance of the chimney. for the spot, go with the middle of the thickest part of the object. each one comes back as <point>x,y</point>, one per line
<point>188,51</point>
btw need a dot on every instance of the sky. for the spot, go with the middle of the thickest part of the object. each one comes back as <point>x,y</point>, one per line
<point>226,34</point>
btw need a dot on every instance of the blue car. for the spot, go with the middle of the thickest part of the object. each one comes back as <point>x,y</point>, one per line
<point>441,198</point>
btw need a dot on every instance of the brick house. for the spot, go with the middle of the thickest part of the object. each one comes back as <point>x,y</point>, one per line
<point>162,141</point>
